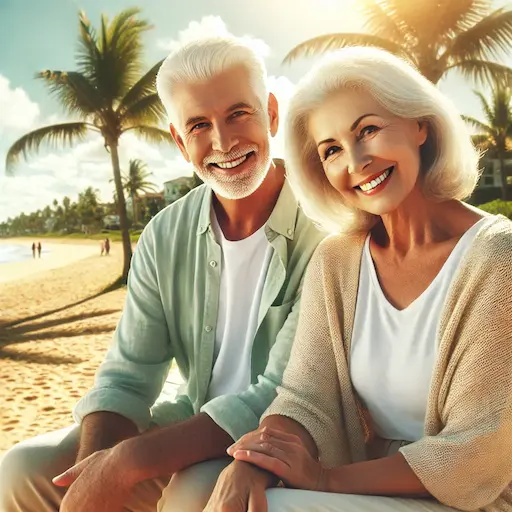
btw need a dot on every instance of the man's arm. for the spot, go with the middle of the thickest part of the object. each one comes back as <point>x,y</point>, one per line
<point>165,450</point>
<point>101,430</point>
<point>134,371</point>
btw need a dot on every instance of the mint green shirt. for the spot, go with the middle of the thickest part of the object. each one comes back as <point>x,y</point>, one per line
<point>171,311</point>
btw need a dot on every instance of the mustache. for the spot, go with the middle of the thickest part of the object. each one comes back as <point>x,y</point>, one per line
<point>219,156</point>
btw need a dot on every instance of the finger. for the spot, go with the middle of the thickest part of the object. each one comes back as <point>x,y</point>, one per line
<point>281,434</point>
<point>257,501</point>
<point>263,461</point>
<point>247,438</point>
<point>69,476</point>
<point>281,450</point>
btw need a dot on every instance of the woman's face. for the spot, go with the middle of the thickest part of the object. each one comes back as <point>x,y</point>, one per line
<point>371,157</point>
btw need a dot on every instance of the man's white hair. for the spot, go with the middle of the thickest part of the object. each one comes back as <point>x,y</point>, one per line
<point>449,161</point>
<point>205,58</point>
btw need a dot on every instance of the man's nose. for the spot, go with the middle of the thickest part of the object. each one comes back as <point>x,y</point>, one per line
<point>224,140</point>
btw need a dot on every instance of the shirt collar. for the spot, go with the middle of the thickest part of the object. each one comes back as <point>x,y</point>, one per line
<point>281,221</point>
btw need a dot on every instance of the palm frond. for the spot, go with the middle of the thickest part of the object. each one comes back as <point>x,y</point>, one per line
<point>381,21</point>
<point>483,72</point>
<point>74,91</point>
<point>485,106</point>
<point>483,128</point>
<point>148,110</point>
<point>322,44</point>
<point>451,18</point>
<point>152,134</point>
<point>490,38</point>
<point>144,87</point>
<point>88,54</point>
<point>59,135</point>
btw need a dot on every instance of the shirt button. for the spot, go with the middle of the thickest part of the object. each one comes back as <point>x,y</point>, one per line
<point>208,328</point>
<point>213,263</point>
<point>290,232</point>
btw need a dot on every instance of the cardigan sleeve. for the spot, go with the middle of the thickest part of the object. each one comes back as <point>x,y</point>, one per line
<point>309,392</point>
<point>468,464</point>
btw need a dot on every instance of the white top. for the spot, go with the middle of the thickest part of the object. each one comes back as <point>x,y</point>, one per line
<point>393,351</point>
<point>243,270</point>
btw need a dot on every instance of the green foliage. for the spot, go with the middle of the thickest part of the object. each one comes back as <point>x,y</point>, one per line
<point>497,207</point>
<point>466,36</point>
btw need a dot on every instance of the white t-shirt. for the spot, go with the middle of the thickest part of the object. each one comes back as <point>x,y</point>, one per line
<point>243,270</point>
<point>393,351</point>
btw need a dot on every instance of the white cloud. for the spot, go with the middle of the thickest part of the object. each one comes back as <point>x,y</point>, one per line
<point>17,109</point>
<point>210,26</point>
<point>57,174</point>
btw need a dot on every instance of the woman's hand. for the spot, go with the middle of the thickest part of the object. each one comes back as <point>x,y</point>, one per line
<point>282,454</point>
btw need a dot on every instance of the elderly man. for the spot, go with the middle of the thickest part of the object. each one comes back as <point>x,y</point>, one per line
<point>215,285</point>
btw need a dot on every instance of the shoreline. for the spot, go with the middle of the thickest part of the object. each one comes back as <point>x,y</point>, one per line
<point>61,253</point>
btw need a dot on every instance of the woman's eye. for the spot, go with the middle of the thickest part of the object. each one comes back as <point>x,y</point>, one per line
<point>331,151</point>
<point>368,130</point>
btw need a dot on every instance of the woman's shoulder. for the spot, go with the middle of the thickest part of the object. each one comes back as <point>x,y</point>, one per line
<point>494,239</point>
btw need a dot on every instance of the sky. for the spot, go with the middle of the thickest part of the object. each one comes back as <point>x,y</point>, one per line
<point>37,35</point>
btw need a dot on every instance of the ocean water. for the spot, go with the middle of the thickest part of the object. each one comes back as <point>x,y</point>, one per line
<point>16,252</point>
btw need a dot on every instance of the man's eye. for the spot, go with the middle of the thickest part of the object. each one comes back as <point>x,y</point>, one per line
<point>238,113</point>
<point>198,126</point>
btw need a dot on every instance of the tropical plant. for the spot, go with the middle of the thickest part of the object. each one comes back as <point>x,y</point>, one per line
<point>136,181</point>
<point>494,135</point>
<point>437,37</point>
<point>108,94</point>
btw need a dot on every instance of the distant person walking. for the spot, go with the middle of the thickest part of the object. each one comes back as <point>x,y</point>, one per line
<point>39,249</point>
<point>34,250</point>
<point>107,246</point>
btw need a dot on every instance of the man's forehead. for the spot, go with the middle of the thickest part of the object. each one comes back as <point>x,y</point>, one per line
<point>214,96</point>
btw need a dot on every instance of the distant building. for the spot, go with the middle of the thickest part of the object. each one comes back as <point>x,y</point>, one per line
<point>111,222</point>
<point>175,189</point>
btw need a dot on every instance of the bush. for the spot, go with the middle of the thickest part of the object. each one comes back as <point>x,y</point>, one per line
<point>498,207</point>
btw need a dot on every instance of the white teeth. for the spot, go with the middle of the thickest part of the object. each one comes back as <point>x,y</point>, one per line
<point>234,163</point>
<point>377,181</point>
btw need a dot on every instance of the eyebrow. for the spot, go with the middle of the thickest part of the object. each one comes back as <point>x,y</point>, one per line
<point>353,126</point>
<point>199,119</point>
<point>236,106</point>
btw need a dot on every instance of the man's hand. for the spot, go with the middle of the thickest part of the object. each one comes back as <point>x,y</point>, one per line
<point>282,454</point>
<point>97,483</point>
<point>241,488</point>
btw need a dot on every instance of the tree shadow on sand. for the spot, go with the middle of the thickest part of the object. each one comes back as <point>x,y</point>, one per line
<point>14,335</point>
<point>110,288</point>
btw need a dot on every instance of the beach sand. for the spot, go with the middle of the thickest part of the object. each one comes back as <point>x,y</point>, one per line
<point>55,254</point>
<point>55,328</point>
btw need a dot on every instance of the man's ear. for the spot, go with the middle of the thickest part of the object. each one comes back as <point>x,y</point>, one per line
<point>273,114</point>
<point>179,142</point>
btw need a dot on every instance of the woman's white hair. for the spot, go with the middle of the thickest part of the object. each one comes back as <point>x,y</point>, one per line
<point>449,161</point>
<point>205,58</point>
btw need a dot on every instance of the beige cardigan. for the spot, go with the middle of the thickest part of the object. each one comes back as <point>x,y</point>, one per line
<point>465,456</point>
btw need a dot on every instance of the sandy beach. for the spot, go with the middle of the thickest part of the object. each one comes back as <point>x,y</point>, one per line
<point>56,254</point>
<point>55,327</point>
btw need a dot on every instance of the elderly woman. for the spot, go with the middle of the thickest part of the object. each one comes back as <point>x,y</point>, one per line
<point>398,392</point>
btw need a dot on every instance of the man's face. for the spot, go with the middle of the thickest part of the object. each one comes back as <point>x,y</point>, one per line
<point>222,128</point>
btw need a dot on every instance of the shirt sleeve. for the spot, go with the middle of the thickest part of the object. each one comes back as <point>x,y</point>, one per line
<point>469,463</point>
<point>309,393</point>
<point>137,363</point>
<point>240,413</point>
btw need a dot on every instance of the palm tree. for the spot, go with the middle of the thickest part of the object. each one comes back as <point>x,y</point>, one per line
<point>136,181</point>
<point>495,134</point>
<point>108,94</point>
<point>436,37</point>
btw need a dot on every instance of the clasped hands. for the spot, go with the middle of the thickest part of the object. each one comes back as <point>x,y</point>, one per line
<point>282,454</point>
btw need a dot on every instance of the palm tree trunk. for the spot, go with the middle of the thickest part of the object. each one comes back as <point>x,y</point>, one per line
<point>121,206</point>
<point>134,210</point>
<point>503,173</point>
